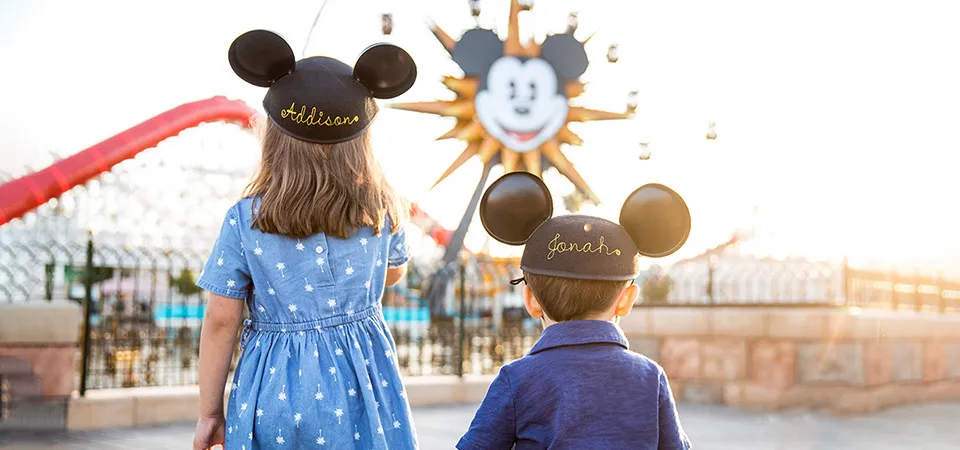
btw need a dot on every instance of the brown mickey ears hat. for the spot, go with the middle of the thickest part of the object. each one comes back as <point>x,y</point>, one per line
<point>517,208</point>
<point>320,99</point>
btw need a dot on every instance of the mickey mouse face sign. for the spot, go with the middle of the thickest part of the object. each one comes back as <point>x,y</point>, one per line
<point>520,100</point>
<point>517,209</point>
<point>512,103</point>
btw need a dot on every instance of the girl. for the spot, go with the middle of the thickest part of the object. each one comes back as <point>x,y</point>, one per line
<point>308,251</point>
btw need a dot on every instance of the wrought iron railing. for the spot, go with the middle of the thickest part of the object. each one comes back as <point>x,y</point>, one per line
<point>143,312</point>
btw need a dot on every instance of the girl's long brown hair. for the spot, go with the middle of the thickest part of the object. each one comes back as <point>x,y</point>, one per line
<point>307,188</point>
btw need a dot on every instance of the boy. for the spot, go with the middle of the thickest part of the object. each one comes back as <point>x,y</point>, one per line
<point>579,387</point>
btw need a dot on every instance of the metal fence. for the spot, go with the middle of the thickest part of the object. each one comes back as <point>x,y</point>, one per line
<point>143,313</point>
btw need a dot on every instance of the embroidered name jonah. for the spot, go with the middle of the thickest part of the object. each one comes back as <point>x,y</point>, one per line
<point>557,246</point>
<point>315,117</point>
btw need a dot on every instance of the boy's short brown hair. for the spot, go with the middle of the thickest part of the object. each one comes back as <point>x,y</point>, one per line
<point>565,299</point>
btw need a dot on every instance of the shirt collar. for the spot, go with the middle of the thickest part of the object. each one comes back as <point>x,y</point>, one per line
<point>578,332</point>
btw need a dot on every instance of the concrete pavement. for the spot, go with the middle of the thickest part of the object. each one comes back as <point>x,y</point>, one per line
<point>926,427</point>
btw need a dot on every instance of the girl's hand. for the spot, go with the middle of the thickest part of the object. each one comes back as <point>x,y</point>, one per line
<point>210,432</point>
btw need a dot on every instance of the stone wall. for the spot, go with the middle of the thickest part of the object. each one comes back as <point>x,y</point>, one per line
<point>38,347</point>
<point>844,361</point>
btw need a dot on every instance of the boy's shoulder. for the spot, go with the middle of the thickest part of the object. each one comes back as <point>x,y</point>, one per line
<point>626,359</point>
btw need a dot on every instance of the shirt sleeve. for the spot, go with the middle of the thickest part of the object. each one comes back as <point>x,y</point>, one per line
<point>226,272</point>
<point>399,252</point>
<point>494,426</point>
<point>672,436</point>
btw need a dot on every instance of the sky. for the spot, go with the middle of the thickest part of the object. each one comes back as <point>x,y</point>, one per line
<point>837,120</point>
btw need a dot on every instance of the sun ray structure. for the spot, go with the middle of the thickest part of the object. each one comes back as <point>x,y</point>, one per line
<point>522,103</point>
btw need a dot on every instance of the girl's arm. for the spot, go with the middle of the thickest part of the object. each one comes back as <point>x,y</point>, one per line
<point>395,274</point>
<point>218,339</point>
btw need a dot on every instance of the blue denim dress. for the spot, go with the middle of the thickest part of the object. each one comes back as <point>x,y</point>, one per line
<point>317,366</point>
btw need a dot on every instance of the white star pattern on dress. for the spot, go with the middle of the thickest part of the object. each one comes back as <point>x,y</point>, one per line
<point>388,353</point>
<point>396,424</point>
<point>250,436</point>
<point>233,221</point>
<point>258,251</point>
<point>220,260</point>
<point>350,312</point>
<point>349,270</point>
<point>261,308</point>
<point>352,392</point>
<point>379,263</point>
<point>297,418</point>
<point>384,383</point>
<point>339,413</point>
<point>243,407</point>
<point>273,370</point>
<point>283,394</point>
<point>292,307</point>
<point>300,246</point>
<point>338,352</point>
<point>316,353</point>
<point>369,386</point>
<point>320,262</point>
<point>331,303</point>
<point>321,441</point>
<point>367,284</point>
<point>307,287</point>
<point>279,437</point>
<point>356,436</point>
<point>230,429</point>
<point>271,291</point>
<point>281,267</point>
<point>318,395</point>
<point>380,430</point>
<point>366,361</point>
<point>363,242</point>
<point>231,283</point>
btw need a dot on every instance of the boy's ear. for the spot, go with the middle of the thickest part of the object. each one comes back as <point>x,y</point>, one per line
<point>531,303</point>
<point>627,298</point>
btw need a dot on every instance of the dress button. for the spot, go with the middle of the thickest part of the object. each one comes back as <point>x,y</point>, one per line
<point>319,249</point>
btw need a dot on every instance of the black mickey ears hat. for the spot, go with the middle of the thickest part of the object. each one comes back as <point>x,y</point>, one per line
<point>517,210</point>
<point>320,99</point>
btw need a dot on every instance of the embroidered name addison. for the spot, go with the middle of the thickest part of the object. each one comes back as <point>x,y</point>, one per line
<point>315,117</point>
<point>557,246</point>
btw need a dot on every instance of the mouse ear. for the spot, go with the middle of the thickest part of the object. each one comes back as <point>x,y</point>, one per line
<point>514,206</point>
<point>386,70</point>
<point>657,219</point>
<point>261,57</point>
<point>476,51</point>
<point>566,54</point>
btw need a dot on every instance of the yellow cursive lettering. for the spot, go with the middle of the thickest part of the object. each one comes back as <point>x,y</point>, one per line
<point>557,246</point>
<point>315,117</point>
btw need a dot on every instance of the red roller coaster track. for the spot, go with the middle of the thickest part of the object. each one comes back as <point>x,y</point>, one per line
<point>22,195</point>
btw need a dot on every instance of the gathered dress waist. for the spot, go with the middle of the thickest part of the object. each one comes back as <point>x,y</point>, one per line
<point>250,325</point>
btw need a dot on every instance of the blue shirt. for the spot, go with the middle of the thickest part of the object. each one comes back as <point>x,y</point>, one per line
<point>578,388</point>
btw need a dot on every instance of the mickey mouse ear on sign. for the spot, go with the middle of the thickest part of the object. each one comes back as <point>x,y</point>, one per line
<point>261,57</point>
<point>566,54</point>
<point>386,70</point>
<point>657,219</point>
<point>476,50</point>
<point>514,206</point>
